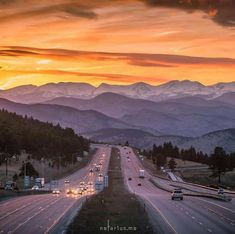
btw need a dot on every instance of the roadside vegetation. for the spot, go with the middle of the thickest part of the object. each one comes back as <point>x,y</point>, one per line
<point>114,206</point>
<point>213,170</point>
<point>37,148</point>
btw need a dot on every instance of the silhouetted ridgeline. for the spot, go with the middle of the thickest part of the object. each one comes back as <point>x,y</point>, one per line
<point>39,139</point>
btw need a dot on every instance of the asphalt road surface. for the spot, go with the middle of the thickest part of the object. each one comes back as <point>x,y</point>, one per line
<point>39,213</point>
<point>192,215</point>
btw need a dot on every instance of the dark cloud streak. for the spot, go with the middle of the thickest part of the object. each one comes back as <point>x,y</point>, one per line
<point>71,9</point>
<point>221,11</point>
<point>138,59</point>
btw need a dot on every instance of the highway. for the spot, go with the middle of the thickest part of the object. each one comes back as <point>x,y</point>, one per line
<point>192,215</point>
<point>39,213</point>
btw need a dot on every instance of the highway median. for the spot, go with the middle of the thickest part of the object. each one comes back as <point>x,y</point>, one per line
<point>112,210</point>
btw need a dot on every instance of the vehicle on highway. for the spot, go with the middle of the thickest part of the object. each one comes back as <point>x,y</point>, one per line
<point>80,191</point>
<point>55,191</point>
<point>177,194</point>
<point>66,181</point>
<point>69,191</point>
<point>139,184</point>
<point>141,174</point>
<point>35,187</point>
<point>97,168</point>
<point>220,191</point>
<point>10,185</point>
<point>40,182</point>
<point>77,191</point>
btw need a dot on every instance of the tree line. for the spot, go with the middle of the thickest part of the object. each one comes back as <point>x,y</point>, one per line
<point>219,161</point>
<point>40,140</point>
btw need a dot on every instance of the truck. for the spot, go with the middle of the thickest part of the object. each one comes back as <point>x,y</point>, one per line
<point>40,182</point>
<point>141,173</point>
<point>10,185</point>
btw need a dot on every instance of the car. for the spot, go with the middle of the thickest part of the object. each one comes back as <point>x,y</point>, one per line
<point>128,160</point>
<point>100,163</point>
<point>139,184</point>
<point>69,191</point>
<point>55,191</point>
<point>100,175</point>
<point>66,181</point>
<point>91,170</point>
<point>220,191</point>
<point>177,194</point>
<point>82,183</point>
<point>129,178</point>
<point>90,183</point>
<point>35,187</point>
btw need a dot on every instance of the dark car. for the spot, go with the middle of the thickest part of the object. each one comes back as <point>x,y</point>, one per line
<point>139,184</point>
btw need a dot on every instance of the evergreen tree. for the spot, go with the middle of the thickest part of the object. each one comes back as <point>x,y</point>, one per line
<point>172,164</point>
<point>27,169</point>
<point>218,163</point>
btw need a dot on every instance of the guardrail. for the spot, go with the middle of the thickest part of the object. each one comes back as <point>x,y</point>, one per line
<point>195,194</point>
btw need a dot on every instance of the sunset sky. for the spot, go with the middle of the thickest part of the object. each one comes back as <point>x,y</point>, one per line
<point>116,41</point>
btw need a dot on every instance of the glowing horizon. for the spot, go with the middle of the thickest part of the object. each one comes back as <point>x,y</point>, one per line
<point>118,42</point>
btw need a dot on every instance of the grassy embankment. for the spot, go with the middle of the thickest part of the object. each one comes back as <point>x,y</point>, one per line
<point>42,168</point>
<point>114,205</point>
<point>194,172</point>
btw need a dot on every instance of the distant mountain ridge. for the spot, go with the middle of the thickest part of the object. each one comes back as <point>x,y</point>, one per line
<point>141,90</point>
<point>188,116</point>
<point>80,121</point>
<point>205,143</point>
<point>141,128</point>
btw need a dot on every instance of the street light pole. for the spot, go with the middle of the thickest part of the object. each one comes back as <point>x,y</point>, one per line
<point>6,159</point>
<point>24,169</point>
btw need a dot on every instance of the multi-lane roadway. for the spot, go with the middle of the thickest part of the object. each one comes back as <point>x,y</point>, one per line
<point>192,215</point>
<point>40,213</point>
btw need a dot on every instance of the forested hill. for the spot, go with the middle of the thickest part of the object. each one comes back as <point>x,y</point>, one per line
<point>41,140</point>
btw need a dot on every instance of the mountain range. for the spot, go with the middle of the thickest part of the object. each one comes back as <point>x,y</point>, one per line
<point>205,143</point>
<point>141,90</point>
<point>191,116</point>
<point>183,112</point>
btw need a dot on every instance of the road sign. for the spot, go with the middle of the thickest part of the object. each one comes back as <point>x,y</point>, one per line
<point>99,185</point>
<point>106,181</point>
<point>26,181</point>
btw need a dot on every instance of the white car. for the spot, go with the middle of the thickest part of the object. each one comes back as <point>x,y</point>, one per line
<point>55,191</point>
<point>35,187</point>
<point>177,194</point>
